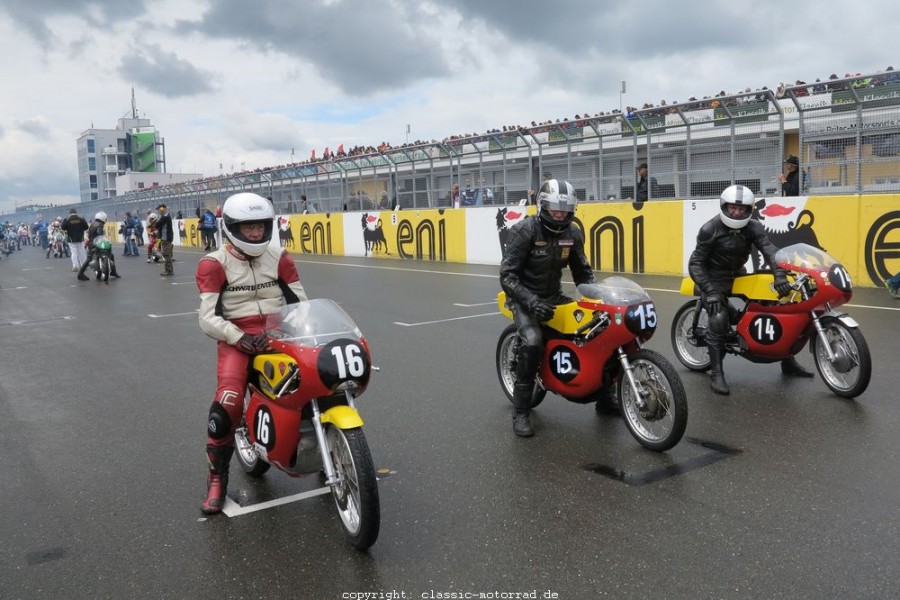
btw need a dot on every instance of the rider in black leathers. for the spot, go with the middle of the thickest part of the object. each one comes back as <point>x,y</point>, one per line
<point>723,247</point>
<point>94,231</point>
<point>537,250</point>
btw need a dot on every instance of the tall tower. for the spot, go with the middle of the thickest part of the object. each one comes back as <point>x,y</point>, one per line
<point>103,154</point>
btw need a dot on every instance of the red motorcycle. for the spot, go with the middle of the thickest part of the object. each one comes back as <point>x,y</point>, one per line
<point>595,343</point>
<point>766,329</point>
<point>300,411</point>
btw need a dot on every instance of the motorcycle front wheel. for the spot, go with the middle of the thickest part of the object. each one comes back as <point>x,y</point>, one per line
<point>507,356</point>
<point>848,376</point>
<point>356,492</point>
<point>660,422</point>
<point>689,342</point>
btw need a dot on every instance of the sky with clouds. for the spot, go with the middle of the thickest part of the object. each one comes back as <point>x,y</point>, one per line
<point>242,82</point>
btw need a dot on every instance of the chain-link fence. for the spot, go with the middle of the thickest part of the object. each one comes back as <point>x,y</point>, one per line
<point>847,134</point>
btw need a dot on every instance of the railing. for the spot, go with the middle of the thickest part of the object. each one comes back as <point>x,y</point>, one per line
<point>846,133</point>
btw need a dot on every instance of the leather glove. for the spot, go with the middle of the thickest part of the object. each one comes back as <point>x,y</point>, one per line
<point>782,287</point>
<point>713,305</point>
<point>249,344</point>
<point>540,309</point>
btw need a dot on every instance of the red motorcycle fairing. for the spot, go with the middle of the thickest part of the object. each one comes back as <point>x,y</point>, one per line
<point>275,429</point>
<point>577,371</point>
<point>774,334</point>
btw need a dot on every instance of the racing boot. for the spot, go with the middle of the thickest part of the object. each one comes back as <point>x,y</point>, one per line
<point>521,415</point>
<point>218,458</point>
<point>717,381</point>
<point>607,403</point>
<point>790,366</point>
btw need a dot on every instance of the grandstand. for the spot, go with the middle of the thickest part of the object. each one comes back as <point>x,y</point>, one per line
<point>846,134</point>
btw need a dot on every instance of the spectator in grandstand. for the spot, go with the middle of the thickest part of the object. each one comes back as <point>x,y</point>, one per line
<point>452,199</point>
<point>643,183</point>
<point>790,183</point>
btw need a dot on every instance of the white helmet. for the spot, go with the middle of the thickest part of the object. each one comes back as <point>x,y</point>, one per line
<point>152,218</point>
<point>736,204</point>
<point>556,194</point>
<point>101,216</point>
<point>246,208</point>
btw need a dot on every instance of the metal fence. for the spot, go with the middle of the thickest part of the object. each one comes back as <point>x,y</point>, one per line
<point>847,133</point>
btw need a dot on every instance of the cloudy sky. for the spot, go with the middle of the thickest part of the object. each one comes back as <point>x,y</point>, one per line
<point>242,82</point>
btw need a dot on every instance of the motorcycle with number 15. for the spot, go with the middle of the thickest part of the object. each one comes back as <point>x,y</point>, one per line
<point>595,343</point>
<point>300,410</point>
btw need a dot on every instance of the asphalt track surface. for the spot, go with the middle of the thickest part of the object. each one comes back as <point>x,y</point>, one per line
<point>781,490</point>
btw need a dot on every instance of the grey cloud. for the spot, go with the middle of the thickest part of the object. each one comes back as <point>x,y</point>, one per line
<point>34,128</point>
<point>31,15</point>
<point>362,47</point>
<point>165,73</point>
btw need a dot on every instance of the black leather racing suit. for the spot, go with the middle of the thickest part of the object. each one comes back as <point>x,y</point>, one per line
<point>532,269</point>
<point>718,258</point>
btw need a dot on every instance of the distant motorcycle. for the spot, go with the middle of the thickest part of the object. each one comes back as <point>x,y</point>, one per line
<point>595,343</point>
<point>766,329</point>
<point>58,246</point>
<point>102,254</point>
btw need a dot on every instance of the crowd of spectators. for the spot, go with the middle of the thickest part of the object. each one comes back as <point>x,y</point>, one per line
<point>742,96</point>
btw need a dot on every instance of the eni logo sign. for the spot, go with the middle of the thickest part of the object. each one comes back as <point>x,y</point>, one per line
<point>879,250</point>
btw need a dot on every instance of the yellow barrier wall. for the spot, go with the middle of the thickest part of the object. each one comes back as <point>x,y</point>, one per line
<point>862,232</point>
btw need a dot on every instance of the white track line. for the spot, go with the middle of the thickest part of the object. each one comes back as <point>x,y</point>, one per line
<point>446,320</point>
<point>233,509</point>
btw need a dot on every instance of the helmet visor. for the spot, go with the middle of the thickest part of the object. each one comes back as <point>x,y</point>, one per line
<point>737,211</point>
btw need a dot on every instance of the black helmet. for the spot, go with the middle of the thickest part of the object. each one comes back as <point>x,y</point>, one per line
<point>556,194</point>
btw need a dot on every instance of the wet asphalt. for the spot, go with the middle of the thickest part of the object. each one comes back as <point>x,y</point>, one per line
<point>781,490</point>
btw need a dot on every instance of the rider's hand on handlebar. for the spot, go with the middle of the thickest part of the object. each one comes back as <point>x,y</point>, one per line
<point>713,305</point>
<point>540,309</point>
<point>782,287</point>
<point>249,344</point>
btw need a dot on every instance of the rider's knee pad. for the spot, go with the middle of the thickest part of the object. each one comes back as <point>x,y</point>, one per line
<point>719,324</point>
<point>529,359</point>
<point>219,424</point>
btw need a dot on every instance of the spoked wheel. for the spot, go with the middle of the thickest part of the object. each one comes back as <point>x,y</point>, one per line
<point>848,376</point>
<point>688,341</point>
<point>356,493</point>
<point>246,454</point>
<point>507,357</point>
<point>658,421</point>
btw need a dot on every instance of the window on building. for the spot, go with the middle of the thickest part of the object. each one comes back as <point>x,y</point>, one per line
<point>90,145</point>
<point>92,163</point>
<point>93,180</point>
<point>140,185</point>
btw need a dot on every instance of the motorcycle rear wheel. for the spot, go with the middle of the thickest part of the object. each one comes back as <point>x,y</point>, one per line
<point>246,454</point>
<point>507,348</point>
<point>684,340</point>
<point>104,268</point>
<point>356,492</point>
<point>849,375</point>
<point>662,422</point>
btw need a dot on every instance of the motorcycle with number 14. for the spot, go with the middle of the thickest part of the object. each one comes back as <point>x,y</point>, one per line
<point>768,329</point>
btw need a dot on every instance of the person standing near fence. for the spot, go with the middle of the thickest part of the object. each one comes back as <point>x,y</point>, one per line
<point>790,183</point>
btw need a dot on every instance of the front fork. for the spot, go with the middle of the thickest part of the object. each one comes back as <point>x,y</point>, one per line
<point>331,478</point>
<point>636,388</point>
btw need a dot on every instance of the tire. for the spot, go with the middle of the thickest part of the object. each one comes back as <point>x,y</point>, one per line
<point>356,493</point>
<point>661,423</point>
<point>507,347</point>
<point>246,454</point>
<point>851,372</point>
<point>685,344</point>
<point>104,268</point>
